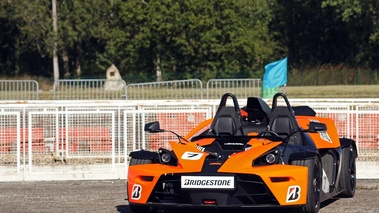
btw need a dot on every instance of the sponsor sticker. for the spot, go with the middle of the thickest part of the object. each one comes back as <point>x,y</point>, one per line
<point>192,156</point>
<point>293,194</point>
<point>136,192</point>
<point>207,182</point>
<point>325,137</point>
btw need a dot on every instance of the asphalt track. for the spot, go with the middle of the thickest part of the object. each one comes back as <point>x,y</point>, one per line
<point>109,196</point>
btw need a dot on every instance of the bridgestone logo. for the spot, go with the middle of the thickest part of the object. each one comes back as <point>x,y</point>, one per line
<point>207,182</point>
<point>221,183</point>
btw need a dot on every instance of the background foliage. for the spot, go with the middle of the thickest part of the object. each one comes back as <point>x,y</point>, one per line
<point>193,38</point>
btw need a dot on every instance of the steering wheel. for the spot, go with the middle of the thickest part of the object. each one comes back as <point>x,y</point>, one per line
<point>269,133</point>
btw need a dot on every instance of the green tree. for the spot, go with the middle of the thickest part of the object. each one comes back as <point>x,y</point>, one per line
<point>362,19</point>
<point>312,34</point>
<point>25,35</point>
<point>81,33</point>
<point>191,39</point>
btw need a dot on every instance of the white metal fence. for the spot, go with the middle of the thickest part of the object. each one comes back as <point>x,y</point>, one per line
<point>103,89</point>
<point>247,87</point>
<point>193,89</point>
<point>85,140</point>
<point>19,90</point>
<point>163,90</point>
<point>89,89</point>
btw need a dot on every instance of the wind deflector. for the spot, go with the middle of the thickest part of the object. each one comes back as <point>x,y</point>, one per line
<point>257,110</point>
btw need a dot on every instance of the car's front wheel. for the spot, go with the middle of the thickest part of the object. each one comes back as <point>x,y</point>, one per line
<point>314,184</point>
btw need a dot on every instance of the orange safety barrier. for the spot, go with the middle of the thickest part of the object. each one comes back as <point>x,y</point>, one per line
<point>181,123</point>
<point>367,132</point>
<point>8,139</point>
<point>94,139</point>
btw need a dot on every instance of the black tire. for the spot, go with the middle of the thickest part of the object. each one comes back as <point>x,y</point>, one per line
<point>348,176</point>
<point>314,184</point>
<point>135,207</point>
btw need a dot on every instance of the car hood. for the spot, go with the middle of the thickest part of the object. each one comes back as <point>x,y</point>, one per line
<point>192,157</point>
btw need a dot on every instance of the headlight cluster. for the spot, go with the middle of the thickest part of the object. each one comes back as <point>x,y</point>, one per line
<point>268,158</point>
<point>167,157</point>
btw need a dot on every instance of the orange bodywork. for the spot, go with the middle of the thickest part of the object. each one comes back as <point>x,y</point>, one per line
<point>278,181</point>
<point>286,182</point>
<point>322,140</point>
<point>198,128</point>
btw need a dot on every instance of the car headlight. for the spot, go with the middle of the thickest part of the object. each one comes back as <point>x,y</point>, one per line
<point>167,157</point>
<point>268,158</point>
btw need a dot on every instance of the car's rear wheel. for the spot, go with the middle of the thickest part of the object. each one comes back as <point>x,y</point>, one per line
<point>348,178</point>
<point>135,207</point>
<point>314,184</point>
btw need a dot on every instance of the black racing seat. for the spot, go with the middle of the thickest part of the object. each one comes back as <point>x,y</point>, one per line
<point>283,121</point>
<point>227,120</point>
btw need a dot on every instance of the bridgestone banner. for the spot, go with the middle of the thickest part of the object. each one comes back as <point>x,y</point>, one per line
<point>207,182</point>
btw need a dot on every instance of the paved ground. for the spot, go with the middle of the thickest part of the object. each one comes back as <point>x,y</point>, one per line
<point>108,196</point>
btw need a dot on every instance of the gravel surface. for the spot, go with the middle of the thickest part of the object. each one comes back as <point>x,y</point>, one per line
<point>109,196</point>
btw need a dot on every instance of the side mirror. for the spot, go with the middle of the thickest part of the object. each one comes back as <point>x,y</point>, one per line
<point>317,127</point>
<point>153,127</point>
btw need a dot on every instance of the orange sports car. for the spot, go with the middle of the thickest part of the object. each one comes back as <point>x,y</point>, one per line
<point>254,157</point>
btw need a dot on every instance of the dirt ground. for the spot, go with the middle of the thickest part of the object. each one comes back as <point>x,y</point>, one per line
<point>109,196</point>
